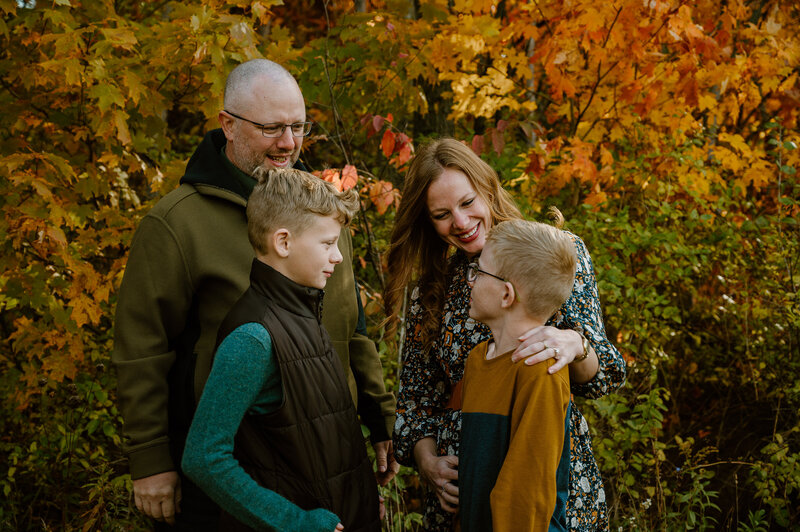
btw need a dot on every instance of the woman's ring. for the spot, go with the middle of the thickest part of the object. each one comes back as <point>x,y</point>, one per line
<point>443,485</point>
<point>555,352</point>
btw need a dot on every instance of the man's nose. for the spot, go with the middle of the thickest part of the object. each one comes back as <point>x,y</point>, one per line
<point>286,141</point>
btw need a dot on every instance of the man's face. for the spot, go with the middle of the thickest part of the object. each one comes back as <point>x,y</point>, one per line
<point>314,252</point>
<point>269,102</point>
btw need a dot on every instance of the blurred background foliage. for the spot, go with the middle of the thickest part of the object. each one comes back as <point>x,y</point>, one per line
<point>665,131</point>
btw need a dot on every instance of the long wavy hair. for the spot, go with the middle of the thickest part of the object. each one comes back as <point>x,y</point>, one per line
<point>416,251</point>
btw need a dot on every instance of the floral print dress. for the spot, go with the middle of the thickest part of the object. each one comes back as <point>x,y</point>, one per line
<point>427,378</point>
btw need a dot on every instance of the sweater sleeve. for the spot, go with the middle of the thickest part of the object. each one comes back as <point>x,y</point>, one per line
<point>244,374</point>
<point>583,308</point>
<point>526,492</point>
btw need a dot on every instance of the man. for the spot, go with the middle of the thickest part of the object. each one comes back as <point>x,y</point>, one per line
<point>189,262</point>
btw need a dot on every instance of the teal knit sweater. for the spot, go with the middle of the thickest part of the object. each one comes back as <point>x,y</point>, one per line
<point>244,378</point>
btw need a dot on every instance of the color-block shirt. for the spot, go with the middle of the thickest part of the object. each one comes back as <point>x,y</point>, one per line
<point>430,373</point>
<point>514,455</point>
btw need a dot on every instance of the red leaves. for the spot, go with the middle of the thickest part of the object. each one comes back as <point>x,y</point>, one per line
<point>495,135</point>
<point>387,143</point>
<point>394,145</point>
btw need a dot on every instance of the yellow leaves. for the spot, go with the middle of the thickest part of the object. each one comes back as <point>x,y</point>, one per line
<point>758,174</point>
<point>121,124</point>
<point>107,94</point>
<point>482,95</point>
<point>84,311</point>
<point>120,37</point>
<point>736,141</point>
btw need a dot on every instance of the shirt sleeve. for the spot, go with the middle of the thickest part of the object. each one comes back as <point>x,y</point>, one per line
<point>424,389</point>
<point>243,371</point>
<point>526,492</point>
<point>583,308</point>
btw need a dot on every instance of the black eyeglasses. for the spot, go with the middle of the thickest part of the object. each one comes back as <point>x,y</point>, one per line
<point>274,131</point>
<point>473,270</point>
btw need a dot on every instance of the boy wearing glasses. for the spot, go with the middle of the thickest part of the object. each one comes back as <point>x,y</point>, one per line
<point>514,455</point>
<point>275,440</point>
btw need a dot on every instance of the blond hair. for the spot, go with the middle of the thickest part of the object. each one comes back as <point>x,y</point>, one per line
<point>539,260</point>
<point>416,251</point>
<point>290,198</point>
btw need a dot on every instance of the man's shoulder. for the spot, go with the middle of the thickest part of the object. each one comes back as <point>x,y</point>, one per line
<point>190,197</point>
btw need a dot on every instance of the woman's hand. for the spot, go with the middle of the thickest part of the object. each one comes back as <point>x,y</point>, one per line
<point>438,472</point>
<point>541,343</point>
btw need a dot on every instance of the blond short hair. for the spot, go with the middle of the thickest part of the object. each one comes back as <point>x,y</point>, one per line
<point>539,260</point>
<point>290,198</point>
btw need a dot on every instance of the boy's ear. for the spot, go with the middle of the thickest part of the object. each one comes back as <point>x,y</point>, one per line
<point>509,295</point>
<point>281,242</point>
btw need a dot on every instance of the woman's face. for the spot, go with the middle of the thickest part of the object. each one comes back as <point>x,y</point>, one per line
<point>459,214</point>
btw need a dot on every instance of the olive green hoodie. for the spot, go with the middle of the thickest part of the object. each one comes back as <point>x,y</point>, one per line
<point>189,263</point>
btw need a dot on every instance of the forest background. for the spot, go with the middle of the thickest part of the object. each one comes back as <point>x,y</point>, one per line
<point>665,131</point>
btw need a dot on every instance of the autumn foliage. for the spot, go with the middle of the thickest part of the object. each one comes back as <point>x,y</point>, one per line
<point>666,131</point>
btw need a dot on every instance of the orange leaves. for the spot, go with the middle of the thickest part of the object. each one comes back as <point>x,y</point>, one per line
<point>344,180</point>
<point>382,194</point>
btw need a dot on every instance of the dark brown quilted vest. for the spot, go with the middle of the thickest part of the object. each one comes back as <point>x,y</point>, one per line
<point>311,450</point>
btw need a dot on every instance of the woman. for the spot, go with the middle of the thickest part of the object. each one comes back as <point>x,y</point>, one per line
<point>450,201</point>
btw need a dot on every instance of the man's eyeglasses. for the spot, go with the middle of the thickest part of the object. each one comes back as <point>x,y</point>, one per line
<point>274,131</point>
<point>473,270</point>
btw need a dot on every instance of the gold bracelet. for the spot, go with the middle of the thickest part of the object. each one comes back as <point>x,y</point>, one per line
<point>586,346</point>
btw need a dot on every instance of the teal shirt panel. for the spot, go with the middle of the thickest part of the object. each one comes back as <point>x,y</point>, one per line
<point>244,378</point>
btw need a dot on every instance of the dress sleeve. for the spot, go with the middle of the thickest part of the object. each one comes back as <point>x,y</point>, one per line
<point>243,371</point>
<point>423,388</point>
<point>583,308</point>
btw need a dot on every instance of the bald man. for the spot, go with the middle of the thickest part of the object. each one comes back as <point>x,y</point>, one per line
<point>189,262</point>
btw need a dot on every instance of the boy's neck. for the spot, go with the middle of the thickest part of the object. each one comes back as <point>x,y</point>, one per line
<point>278,265</point>
<point>507,329</point>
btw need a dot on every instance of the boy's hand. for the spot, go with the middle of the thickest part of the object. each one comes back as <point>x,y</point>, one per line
<point>387,465</point>
<point>159,496</point>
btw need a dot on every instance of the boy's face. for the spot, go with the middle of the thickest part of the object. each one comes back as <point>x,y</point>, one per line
<point>487,291</point>
<point>314,252</point>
